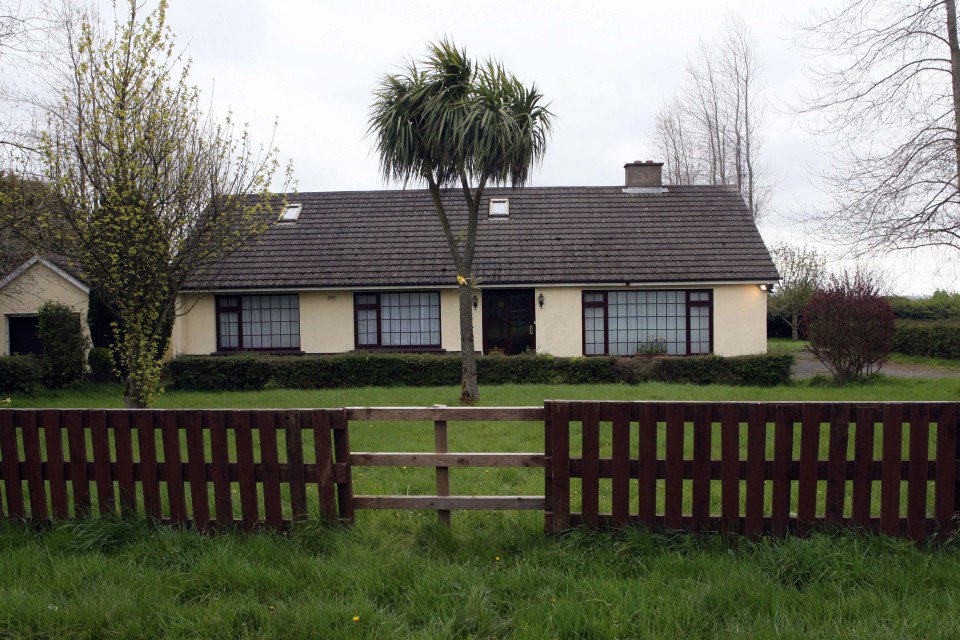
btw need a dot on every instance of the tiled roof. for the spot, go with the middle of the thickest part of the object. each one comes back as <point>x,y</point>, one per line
<point>553,235</point>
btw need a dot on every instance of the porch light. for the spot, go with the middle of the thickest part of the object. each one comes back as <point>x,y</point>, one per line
<point>763,287</point>
<point>540,300</point>
<point>475,303</point>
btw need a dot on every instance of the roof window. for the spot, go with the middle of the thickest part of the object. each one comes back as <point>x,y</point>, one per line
<point>291,212</point>
<point>499,208</point>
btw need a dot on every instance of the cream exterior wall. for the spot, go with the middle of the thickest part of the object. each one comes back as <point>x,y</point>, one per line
<point>39,284</point>
<point>327,323</point>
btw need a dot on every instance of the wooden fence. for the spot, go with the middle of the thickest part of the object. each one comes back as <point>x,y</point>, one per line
<point>678,465</point>
<point>733,467</point>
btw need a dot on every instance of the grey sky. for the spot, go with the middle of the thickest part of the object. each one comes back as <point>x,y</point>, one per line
<point>606,67</point>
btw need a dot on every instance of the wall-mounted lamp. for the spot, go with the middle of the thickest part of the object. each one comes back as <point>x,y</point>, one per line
<point>763,287</point>
<point>540,300</point>
<point>767,287</point>
<point>475,303</point>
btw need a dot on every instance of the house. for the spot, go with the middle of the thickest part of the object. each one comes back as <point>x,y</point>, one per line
<point>25,289</point>
<point>568,271</point>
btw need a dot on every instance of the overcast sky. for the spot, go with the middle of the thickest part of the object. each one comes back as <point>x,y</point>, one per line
<point>605,67</point>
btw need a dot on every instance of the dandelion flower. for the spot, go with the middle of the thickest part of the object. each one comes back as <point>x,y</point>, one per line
<point>356,618</point>
<point>496,559</point>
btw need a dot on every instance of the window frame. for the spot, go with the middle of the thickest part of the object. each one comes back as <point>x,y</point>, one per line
<point>377,308</point>
<point>238,309</point>
<point>688,304</point>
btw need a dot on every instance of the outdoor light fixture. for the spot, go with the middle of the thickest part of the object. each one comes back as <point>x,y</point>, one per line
<point>475,303</point>
<point>540,300</point>
<point>763,287</point>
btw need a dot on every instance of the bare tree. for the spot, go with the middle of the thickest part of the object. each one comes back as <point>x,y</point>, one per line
<point>887,92</point>
<point>710,130</point>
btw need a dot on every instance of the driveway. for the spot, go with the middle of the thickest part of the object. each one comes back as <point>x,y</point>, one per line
<point>807,366</point>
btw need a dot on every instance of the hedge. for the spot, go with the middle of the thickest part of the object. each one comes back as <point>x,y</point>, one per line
<point>938,339</point>
<point>251,372</point>
<point>20,374</point>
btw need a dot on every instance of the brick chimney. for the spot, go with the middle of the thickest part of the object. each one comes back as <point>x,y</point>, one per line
<point>644,177</point>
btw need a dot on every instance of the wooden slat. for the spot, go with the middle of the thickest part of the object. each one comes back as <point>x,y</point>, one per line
<point>499,503</point>
<point>173,461</point>
<point>590,483</point>
<point>548,525</point>
<point>457,459</point>
<point>946,468</point>
<point>149,477</point>
<point>77,442</point>
<point>730,467</point>
<point>560,438</point>
<point>270,463</point>
<point>647,464</point>
<point>323,451</point>
<point>56,473</point>
<point>100,438</point>
<point>673,471</point>
<point>442,472</point>
<point>837,463</point>
<point>702,437</point>
<point>196,469</point>
<point>431,414</point>
<point>756,456</point>
<point>341,449</point>
<point>119,423</point>
<point>892,456</point>
<point>33,467</point>
<point>917,479</point>
<point>216,424</point>
<point>246,479</point>
<point>11,465</point>
<point>782,457</point>
<point>863,460</point>
<point>809,455</point>
<point>296,479</point>
<point>621,464</point>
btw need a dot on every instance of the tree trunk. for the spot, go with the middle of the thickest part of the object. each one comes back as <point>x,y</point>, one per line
<point>131,393</point>
<point>795,328</point>
<point>469,392</point>
<point>951,7</point>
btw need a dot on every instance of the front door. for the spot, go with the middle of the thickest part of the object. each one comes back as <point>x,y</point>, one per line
<point>508,321</point>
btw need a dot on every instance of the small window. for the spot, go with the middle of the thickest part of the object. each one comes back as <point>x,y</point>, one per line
<point>499,208</point>
<point>291,213</point>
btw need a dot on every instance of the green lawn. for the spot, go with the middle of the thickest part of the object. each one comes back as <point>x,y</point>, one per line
<point>493,575</point>
<point>786,345</point>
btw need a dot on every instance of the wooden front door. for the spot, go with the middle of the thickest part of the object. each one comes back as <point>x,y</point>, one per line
<point>509,321</point>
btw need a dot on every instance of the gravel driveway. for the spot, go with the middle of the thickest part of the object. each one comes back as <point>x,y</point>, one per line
<point>807,366</point>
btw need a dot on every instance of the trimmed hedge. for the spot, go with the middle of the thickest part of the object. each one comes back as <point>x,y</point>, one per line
<point>20,374</point>
<point>938,339</point>
<point>252,372</point>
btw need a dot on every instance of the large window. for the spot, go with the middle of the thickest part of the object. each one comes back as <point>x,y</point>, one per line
<point>265,323</point>
<point>403,320</point>
<point>623,323</point>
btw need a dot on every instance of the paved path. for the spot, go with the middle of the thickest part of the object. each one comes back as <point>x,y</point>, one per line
<point>807,366</point>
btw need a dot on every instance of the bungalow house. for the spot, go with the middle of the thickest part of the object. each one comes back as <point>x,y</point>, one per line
<point>568,271</point>
<point>25,289</point>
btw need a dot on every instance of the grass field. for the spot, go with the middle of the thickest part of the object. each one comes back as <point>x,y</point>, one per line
<point>494,575</point>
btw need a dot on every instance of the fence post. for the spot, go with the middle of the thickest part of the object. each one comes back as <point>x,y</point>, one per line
<point>559,432</point>
<point>341,449</point>
<point>443,473</point>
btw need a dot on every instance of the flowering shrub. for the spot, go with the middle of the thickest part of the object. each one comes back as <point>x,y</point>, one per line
<point>849,326</point>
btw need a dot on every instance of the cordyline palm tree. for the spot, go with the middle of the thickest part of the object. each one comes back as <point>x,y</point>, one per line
<point>449,122</point>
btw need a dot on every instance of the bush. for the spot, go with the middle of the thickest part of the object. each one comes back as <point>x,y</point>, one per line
<point>19,374</point>
<point>849,326</point>
<point>64,345</point>
<point>940,339</point>
<point>250,372</point>
<point>100,361</point>
<point>942,305</point>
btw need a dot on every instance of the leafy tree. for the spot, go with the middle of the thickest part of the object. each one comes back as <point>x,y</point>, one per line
<point>850,326</point>
<point>887,95</point>
<point>801,272</point>
<point>450,122</point>
<point>64,345</point>
<point>151,190</point>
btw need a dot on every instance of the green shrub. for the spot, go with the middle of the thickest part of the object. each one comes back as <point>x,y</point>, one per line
<point>19,374</point>
<point>940,339</point>
<point>64,345</point>
<point>100,361</point>
<point>251,372</point>
<point>942,305</point>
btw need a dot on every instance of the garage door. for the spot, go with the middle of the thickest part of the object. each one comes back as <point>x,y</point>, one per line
<point>24,337</point>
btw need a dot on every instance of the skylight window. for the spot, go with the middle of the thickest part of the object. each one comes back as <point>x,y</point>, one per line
<point>499,208</point>
<point>291,213</point>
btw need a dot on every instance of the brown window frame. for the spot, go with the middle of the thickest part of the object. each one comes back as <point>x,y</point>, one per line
<point>604,304</point>
<point>377,308</point>
<point>219,308</point>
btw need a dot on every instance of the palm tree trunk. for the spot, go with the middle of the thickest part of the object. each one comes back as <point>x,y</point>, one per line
<point>469,391</point>
<point>951,7</point>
